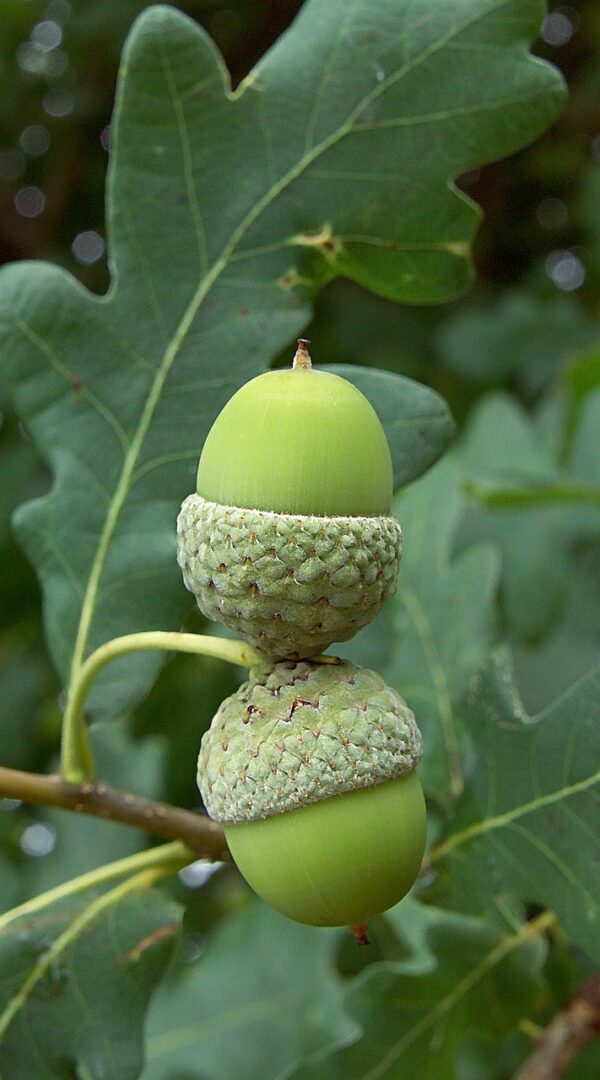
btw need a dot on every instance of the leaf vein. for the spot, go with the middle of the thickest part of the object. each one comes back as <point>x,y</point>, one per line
<point>502,820</point>
<point>188,169</point>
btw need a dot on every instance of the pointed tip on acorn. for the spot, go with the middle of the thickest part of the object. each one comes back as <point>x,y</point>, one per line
<point>302,358</point>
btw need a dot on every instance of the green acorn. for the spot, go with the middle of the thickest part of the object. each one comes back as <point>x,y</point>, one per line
<point>310,766</point>
<point>289,539</point>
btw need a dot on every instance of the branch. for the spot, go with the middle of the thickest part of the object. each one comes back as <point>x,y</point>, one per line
<point>204,837</point>
<point>572,1028</point>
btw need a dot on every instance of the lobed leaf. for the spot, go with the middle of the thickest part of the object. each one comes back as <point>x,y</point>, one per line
<point>529,824</point>
<point>225,212</point>
<point>413,1018</point>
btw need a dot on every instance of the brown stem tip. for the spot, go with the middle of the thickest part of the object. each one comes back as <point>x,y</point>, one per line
<point>360,932</point>
<point>302,358</point>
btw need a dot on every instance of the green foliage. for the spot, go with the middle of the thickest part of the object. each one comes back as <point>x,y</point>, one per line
<point>438,628</point>
<point>442,619</point>
<point>529,823</point>
<point>119,393</point>
<point>268,982</point>
<point>524,338</point>
<point>229,215</point>
<point>76,979</point>
<point>473,978</point>
<point>537,501</point>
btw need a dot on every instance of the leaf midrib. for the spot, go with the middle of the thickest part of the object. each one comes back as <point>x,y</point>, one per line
<point>206,284</point>
<point>499,821</point>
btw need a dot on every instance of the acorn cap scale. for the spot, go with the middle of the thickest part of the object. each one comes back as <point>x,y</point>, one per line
<point>289,584</point>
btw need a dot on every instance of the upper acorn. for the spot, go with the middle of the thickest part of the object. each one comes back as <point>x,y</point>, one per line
<point>298,441</point>
<point>289,539</point>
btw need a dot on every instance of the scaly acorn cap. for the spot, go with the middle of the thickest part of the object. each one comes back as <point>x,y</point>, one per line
<point>289,540</point>
<point>290,584</point>
<point>300,732</point>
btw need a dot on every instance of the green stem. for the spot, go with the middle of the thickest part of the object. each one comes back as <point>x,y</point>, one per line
<point>533,496</point>
<point>169,857</point>
<point>77,762</point>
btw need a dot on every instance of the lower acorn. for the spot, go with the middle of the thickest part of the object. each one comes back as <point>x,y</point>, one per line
<point>310,767</point>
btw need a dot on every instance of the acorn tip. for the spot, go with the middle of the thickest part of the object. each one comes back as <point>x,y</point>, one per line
<point>302,358</point>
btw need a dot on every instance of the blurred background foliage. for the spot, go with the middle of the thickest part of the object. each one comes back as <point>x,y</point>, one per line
<point>518,359</point>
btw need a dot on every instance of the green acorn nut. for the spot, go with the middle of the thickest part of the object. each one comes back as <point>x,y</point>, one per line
<point>310,768</point>
<point>289,539</point>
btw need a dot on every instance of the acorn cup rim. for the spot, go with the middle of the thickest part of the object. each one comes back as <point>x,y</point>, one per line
<point>278,515</point>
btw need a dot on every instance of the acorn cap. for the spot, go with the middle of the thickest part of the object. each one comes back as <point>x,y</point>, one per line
<point>290,584</point>
<point>300,732</point>
<point>298,441</point>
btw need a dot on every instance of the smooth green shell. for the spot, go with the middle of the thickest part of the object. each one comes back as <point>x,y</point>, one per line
<point>340,861</point>
<point>298,441</point>
<point>297,733</point>
<point>290,584</point>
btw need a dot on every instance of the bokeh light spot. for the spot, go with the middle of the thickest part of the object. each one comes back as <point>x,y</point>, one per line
<point>88,247</point>
<point>566,270</point>
<point>47,35</point>
<point>30,202</point>
<point>38,839</point>
<point>56,64</point>
<point>35,140</point>
<point>558,27</point>
<point>31,58</point>
<point>58,103</point>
